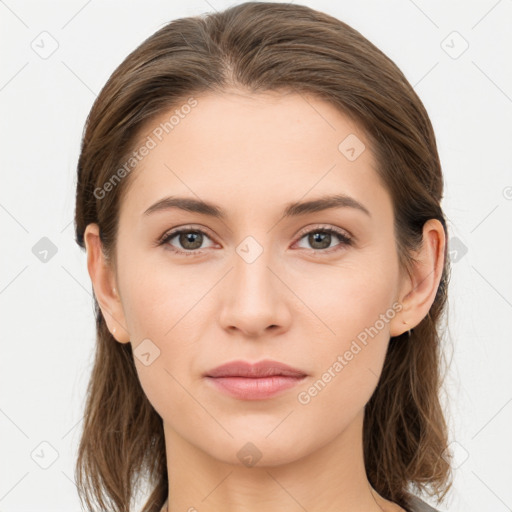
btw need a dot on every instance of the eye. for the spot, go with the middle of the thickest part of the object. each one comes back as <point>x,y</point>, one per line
<point>320,239</point>
<point>189,239</point>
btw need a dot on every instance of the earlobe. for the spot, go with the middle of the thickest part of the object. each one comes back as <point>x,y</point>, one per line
<point>103,281</point>
<point>400,322</point>
<point>421,287</point>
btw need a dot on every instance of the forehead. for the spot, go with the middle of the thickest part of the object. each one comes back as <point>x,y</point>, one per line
<point>265,148</point>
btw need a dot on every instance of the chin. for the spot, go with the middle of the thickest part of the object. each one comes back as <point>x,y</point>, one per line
<point>258,449</point>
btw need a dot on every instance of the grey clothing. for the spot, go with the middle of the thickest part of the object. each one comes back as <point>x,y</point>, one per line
<point>418,505</point>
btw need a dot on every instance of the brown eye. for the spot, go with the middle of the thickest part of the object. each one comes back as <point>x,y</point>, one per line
<point>189,240</point>
<point>321,238</point>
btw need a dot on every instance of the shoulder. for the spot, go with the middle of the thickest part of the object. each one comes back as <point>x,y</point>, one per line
<point>415,504</point>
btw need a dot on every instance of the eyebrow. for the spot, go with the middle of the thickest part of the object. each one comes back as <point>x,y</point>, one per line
<point>294,209</point>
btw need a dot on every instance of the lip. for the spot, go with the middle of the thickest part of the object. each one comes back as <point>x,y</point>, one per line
<point>265,368</point>
<point>254,381</point>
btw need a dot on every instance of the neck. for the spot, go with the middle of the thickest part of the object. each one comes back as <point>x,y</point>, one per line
<point>331,479</point>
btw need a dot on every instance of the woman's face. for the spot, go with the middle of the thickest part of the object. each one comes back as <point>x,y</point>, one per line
<point>263,281</point>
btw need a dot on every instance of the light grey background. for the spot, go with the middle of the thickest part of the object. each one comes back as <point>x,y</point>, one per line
<point>47,328</point>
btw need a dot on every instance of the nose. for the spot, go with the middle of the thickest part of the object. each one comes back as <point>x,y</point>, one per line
<point>254,298</point>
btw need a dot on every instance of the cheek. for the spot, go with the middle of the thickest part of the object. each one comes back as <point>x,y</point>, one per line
<point>156,297</point>
<point>350,326</point>
<point>347,371</point>
<point>161,311</point>
<point>341,302</point>
<point>168,392</point>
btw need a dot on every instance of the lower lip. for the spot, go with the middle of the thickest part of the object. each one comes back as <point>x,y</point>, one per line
<point>254,388</point>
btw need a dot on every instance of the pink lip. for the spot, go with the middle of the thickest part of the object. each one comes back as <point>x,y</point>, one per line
<point>254,381</point>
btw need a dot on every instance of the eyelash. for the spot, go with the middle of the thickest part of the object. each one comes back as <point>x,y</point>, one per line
<point>345,240</point>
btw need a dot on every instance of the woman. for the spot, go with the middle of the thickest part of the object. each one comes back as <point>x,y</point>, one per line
<point>259,196</point>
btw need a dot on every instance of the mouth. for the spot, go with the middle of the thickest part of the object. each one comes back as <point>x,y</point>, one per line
<point>259,381</point>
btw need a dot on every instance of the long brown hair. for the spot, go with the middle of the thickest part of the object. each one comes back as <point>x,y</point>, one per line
<point>260,46</point>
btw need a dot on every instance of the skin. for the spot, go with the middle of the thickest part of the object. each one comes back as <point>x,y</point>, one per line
<point>251,155</point>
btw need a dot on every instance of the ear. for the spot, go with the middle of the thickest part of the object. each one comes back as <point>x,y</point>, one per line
<point>104,284</point>
<point>418,290</point>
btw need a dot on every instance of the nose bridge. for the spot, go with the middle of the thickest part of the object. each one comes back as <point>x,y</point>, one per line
<point>252,275</point>
<point>252,300</point>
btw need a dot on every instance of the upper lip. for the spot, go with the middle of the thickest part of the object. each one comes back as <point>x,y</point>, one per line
<point>266,368</point>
